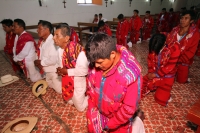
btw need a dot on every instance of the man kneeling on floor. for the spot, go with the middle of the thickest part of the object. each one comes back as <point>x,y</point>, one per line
<point>73,68</point>
<point>24,50</point>
<point>47,60</point>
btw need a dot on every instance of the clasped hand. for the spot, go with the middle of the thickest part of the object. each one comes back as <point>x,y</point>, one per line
<point>61,71</point>
<point>38,64</point>
<point>151,75</point>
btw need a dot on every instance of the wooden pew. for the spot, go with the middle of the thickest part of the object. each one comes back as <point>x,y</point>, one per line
<point>84,29</point>
<point>142,17</point>
<point>115,19</point>
<point>194,114</point>
<point>127,17</point>
<point>35,34</point>
<point>113,26</point>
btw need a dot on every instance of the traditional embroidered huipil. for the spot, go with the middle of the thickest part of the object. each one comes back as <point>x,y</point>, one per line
<point>113,98</point>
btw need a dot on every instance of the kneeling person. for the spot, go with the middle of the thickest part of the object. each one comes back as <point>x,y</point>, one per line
<point>73,67</point>
<point>47,60</point>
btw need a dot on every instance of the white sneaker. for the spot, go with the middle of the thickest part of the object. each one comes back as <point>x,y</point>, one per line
<point>130,44</point>
<point>148,39</point>
<point>170,99</point>
<point>138,42</point>
<point>70,102</point>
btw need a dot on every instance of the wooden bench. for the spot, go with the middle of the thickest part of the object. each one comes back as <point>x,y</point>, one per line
<point>113,26</point>
<point>128,17</point>
<point>35,34</point>
<point>115,19</point>
<point>194,114</point>
<point>84,28</point>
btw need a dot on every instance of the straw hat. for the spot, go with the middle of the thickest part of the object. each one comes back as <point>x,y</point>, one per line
<point>20,125</point>
<point>7,79</point>
<point>39,88</point>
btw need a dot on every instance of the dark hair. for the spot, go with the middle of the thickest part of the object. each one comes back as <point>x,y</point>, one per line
<point>156,43</point>
<point>95,15</point>
<point>136,11</point>
<point>7,22</point>
<point>164,9</point>
<point>20,22</point>
<point>148,12</point>
<point>190,12</point>
<point>46,24</point>
<point>192,7</point>
<point>100,14</point>
<point>99,46</point>
<point>65,29</point>
<point>101,23</point>
<point>171,9</point>
<point>120,16</point>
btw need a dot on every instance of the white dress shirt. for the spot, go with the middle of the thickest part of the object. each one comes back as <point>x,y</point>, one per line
<point>28,52</point>
<point>48,55</point>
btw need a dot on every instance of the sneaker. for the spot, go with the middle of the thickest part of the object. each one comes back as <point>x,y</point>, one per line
<point>148,39</point>
<point>138,42</point>
<point>170,99</point>
<point>70,102</point>
<point>189,80</point>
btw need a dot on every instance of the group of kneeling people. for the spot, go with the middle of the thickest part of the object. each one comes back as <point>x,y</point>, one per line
<point>104,77</point>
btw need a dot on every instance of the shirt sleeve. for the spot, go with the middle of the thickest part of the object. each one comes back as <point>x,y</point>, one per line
<point>151,63</point>
<point>52,57</point>
<point>81,68</point>
<point>190,50</point>
<point>25,51</point>
<point>171,64</point>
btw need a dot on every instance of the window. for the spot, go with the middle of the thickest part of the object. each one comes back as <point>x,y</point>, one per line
<point>84,1</point>
<point>95,2</point>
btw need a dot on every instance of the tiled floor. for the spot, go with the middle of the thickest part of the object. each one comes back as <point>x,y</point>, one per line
<point>55,116</point>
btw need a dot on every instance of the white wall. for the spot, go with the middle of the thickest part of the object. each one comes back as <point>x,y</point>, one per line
<point>192,3</point>
<point>54,11</point>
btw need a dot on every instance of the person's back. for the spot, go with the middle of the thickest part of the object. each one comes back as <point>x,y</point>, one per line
<point>135,25</point>
<point>114,83</point>
<point>104,28</point>
<point>122,31</point>
<point>162,67</point>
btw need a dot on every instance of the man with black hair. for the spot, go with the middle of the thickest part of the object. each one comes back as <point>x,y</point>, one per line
<point>114,82</point>
<point>135,26</point>
<point>122,30</point>
<point>188,33</point>
<point>147,26</point>
<point>47,60</point>
<point>172,20</point>
<point>7,25</point>
<point>104,28</point>
<point>96,21</point>
<point>162,21</point>
<point>24,50</point>
<point>101,18</point>
<point>73,67</point>
<point>74,36</point>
